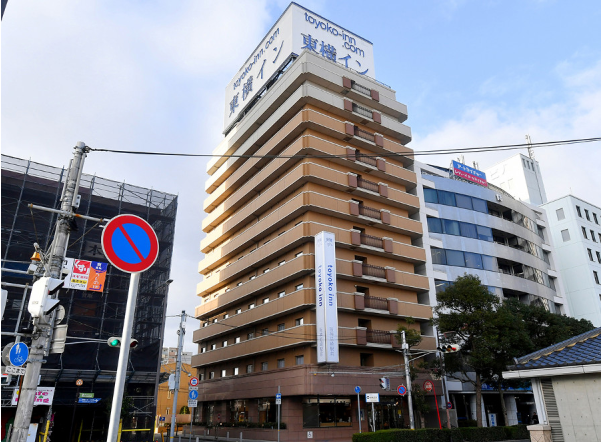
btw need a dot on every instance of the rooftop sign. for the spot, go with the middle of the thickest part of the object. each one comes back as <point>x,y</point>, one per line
<point>469,173</point>
<point>297,30</point>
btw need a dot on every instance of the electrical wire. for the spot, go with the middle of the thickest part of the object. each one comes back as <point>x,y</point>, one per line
<point>493,148</point>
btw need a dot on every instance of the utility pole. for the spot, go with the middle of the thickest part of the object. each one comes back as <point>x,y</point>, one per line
<point>43,325</point>
<point>408,377</point>
<point>178,368</point>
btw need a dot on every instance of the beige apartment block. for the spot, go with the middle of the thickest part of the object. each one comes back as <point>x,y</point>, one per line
<point>328,154</point>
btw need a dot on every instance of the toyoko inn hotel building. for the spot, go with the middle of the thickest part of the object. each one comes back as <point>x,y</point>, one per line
<point>312,241</point>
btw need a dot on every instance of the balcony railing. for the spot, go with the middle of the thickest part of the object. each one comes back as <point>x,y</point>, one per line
<point>362,110</point>
<point>369,185</point>
<point>367,159</point>
<point>378,336</point>
<point>376,303</point>
<point>365,135</point>
<point>359,88</point>
<point>374,271</point>
<point>369,211</point>
<point>372,241</point>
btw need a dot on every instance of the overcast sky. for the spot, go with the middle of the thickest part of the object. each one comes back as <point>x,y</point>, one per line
<point>151,75</point>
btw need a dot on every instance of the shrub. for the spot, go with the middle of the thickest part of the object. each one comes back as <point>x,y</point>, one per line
<point>517,432</point>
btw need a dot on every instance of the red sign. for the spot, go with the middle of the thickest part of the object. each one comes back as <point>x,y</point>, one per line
<point>428,386</point>
<point>193,381</point>
<point>402,390</point>
<point>130,244</point>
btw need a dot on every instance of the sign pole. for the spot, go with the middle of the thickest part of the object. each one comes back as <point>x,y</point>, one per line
<point>132,296</point>
<point>359,411</point>
<point>373,417</point>
<point>279,415</point>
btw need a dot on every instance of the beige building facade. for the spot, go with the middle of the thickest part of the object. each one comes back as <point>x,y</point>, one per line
<point>324,150</point>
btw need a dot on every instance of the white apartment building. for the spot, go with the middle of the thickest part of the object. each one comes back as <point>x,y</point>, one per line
<point>576,230</point>
<point>520,176</point>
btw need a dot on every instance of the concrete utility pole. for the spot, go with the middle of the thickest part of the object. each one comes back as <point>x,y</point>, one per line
<point>43,326</point>
<point>408,377</point>
<point>178,367</point>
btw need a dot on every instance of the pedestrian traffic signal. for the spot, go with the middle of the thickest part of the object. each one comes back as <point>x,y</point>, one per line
<point>40,301</point>
<point>384,383</point>
<point>449,348</point>
<point>115,341</point>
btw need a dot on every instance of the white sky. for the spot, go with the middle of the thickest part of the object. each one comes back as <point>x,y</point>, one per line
<point>150,76</point>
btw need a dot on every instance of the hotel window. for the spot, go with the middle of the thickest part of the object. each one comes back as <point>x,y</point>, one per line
<point>578,210</point>
<point>565,235</point>
<point>201,376</point>
<point>238,311</point>
<point>593,236</point>
<point>213,346</point>
<point>252,277</point>
<point>265,300</point>
<point>239,284</point>
<point>298,254</point>
<point>224,343</point>
<point>203,349</point>
<point>264,366</point>
<point>281,263</point>
<point>251,306</point>
<point>281,326</point>
<point>298,287</point>
<point>249,368</point>
<point>223,373</point>
<point>212,375</point>
<point>237,340</point>
<point>226,316</point>
<point>227,289</point>
<point>560,214</point>
<point>265,332</point>
<point>595,218</point>
<point>596,275</point>
<point>298,321</point>
<point>281,363</point>
<point>235,371</point>
<point>214,320</point>
<point>266,270</point>
<point>587,215</point>
<point>300,360</point>
<point>250,335</point>
<point>281,294</point>
<point>584,232</point>
<point>598,257</point>
<point>590,254</point>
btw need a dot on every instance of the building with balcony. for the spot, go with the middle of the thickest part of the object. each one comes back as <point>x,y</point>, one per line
<point>324,151</point>
<point>485,232</point>
<point>574,226</point>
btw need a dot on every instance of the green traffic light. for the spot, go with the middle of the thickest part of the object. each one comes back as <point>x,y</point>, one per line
<point>114,342</point>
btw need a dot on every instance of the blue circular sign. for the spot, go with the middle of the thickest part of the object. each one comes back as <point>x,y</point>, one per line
<point>402,390</point>
<point>18,354</point>
<point>193,394</point>
<point>357,389</point>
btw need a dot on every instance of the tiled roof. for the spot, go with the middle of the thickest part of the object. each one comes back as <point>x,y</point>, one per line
<point>583,349</point>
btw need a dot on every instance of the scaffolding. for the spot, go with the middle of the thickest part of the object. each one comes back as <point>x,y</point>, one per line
<point>92,317</point>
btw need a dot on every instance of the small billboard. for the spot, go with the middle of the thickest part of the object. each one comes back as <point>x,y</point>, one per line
<point>469,173</point>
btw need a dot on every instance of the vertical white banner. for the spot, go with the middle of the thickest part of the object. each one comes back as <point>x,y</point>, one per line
<point>326,298</point>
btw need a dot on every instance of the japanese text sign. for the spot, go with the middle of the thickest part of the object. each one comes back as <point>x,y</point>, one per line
<point>469,173</point>
<point>84,275</point>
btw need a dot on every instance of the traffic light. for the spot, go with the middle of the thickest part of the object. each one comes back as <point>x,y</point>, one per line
<point>384,383</point>
<point>449,348</point>
<point>115,341</point>
<point>40,302</point>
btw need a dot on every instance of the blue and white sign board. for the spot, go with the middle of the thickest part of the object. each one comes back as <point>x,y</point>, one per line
<point>372,397</point>
<point>89,400</point>
<point>326,309</point>
<point>18,354</point>
<point>278,398</point>
<point>297,30</point>
<point>193,394</point>
<point>357,389</point>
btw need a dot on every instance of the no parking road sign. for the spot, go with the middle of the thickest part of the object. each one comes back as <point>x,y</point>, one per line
<point>402,390</point>
<point>130,243</point>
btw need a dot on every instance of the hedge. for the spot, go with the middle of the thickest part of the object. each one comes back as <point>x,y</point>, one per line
<point>467,434</point>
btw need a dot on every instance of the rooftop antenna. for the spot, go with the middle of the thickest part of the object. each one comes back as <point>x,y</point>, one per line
<point>530,150</point>
<point>475,165</point>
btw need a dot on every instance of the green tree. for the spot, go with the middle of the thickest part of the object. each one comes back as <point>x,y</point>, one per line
<point>184,410</point>
<point>468,309</point>
<point>412,336</point>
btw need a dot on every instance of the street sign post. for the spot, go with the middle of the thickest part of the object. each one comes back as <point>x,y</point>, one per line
<point>373,398</point>
<point>89,400</point>
<point>358,390</point>
<point>131,245</point>
<point>9,369</point>
<point>428,386</point>
<point>278,398</point>
<point>18,354</point>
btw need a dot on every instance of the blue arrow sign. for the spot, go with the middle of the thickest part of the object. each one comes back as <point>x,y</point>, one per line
<point>89,400</point>
<point>193,395</point>
<point>357,389</point>
<point>18,354</point>
<point>278,395</point>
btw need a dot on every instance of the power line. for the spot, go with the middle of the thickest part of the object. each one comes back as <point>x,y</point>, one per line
<point>495,148</point>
